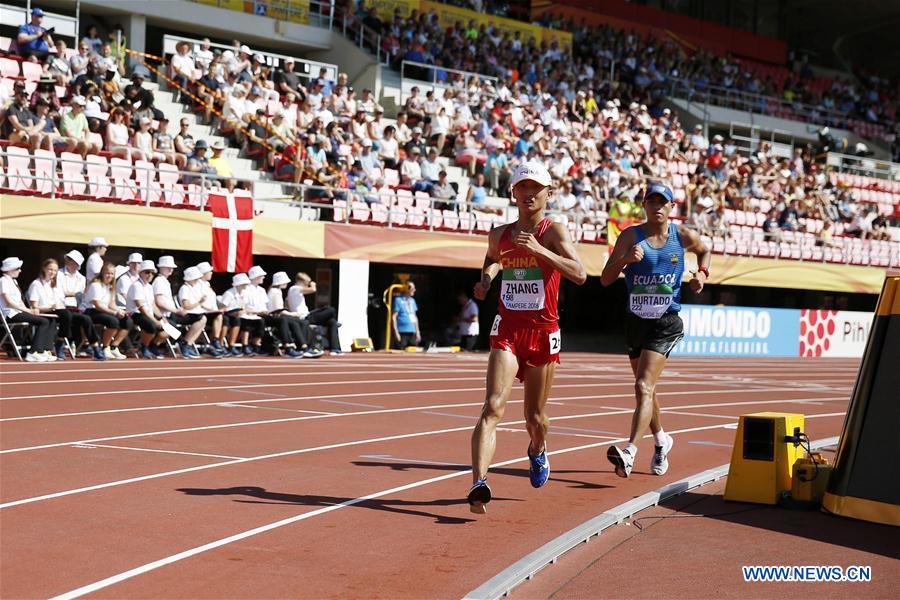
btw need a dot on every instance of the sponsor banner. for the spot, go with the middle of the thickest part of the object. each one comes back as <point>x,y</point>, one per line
<point>837,333</point>
<point>386,8</point>
<point>738,331</point>
<point>450,15</point>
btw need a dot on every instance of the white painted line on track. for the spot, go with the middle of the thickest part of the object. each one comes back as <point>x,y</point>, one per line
<point>300,451</point>
<point>155,450</point>
<point>151,566</point>
<point>424,409</point>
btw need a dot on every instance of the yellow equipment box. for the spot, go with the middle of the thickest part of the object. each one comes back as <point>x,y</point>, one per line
<point>810,478</point>
<point>761,460</point>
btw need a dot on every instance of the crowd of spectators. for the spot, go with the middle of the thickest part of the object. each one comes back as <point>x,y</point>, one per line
<point>111,312</point>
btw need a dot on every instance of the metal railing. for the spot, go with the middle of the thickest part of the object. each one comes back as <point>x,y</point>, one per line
<point>437,78</point>
<point>365,38</point>
<point>860,165</point>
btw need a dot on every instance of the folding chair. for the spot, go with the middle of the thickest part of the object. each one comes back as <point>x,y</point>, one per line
<point>8,336</point>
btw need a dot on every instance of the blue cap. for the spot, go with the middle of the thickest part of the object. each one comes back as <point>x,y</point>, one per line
<point>660,189</point>
<point>37,12</point>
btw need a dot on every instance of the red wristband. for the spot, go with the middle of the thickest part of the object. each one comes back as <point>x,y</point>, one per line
<point>703,270</point>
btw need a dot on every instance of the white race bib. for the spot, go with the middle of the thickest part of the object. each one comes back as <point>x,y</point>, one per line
<point>495,328</point>
<point>522,289</point>
<point>650,301</point>
<point>555,342</point>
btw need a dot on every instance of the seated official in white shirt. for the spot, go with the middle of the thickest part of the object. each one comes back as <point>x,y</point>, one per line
<point>325,316</point>
<point>46,294</point>
<point>99,303</point>
<point>15,311</point>
<point>232,309</point>
<point>140,304</point>
<point>191,296</point>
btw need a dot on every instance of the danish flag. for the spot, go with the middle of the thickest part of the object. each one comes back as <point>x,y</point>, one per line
<point>232,232</point>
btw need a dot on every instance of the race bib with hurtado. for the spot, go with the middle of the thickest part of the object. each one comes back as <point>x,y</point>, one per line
<point>650,301</point>
<point>523,288</point>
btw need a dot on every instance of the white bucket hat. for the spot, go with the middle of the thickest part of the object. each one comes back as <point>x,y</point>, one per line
<point>166,261</point>
<point>240,279</point>
<point>98,241</point>
<point>147,265</point>
<point>135,257</point>
<point>255,271</point>
<point>280,277</point>
<point>205,268</point>
<point>530,170</point>
<point>76,257</point>
<point>192,273</point>
<point>12,263</point>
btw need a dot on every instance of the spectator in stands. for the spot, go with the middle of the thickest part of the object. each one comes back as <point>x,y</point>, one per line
<point>476,197</point>
<point>369,160</point>
<point>826,236</point>
<point>184,141</point>
<point>288,81</point>
<point>58,65</point>
<point>117,136</point>
<point>198,164</point>
<point>33,40</point>
<point>389,149</point>
<point>410,171</point>
<point>182,70</point>
<point>79,62</point>
<point>98,247</point>
<point>291,329</point>
<point>414,106</point>
<point>219,162</point>
<point>100,305</point>
<point>144,142</point>
<point>444,193</point>
<point>204,55</point>
<point>771,226</point>
<point>324,316</point>
<point>141,308</point>
<point>16,311</point>
<point>92,40</point>
<point>233,308</point>
<point>404,317</point>
<point>22,126</point>
<point>192,296</point>
<point>415,140</point>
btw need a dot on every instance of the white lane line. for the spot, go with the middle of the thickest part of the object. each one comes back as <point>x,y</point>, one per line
<point>151,566</point>
<point>154,450</point>
<point>695,414</point>
<point>295,452</point>
<point>425,409</point>
<point>294,410</point>
<point>386,393</point>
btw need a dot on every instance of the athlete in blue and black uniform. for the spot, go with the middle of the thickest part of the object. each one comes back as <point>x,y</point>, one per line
<point>652,255</point>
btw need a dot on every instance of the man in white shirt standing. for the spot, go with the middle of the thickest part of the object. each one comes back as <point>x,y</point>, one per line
<point>98,247</point>
<point>140,305</point>
<point>468,322</point>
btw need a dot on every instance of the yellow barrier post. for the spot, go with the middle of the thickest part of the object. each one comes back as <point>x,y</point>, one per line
<point>388,298</point>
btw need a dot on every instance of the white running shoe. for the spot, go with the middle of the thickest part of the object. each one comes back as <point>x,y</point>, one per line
<point>659,464</point>
<point>116,354</point>
<point>49,356</point>
<point>622,459</point>
<point>35,357</point>
<point>108,353</point>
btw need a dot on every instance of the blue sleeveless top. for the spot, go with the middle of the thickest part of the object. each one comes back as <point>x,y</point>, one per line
<point>654,283</point>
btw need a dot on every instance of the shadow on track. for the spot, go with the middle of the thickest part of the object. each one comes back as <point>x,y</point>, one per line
<point>394,506</point>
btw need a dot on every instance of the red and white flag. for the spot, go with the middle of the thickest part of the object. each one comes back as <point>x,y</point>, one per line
<point>232,232</point>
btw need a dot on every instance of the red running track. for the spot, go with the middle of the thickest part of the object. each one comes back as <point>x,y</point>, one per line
<point>341,477</point>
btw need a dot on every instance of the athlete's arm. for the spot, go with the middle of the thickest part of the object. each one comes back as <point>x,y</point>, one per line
<point>625,252</point>
<point>491,265</point>
<point>692,243</point>
<point>559,252</point>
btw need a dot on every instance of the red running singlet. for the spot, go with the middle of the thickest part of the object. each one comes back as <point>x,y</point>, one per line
<point>529,286</point>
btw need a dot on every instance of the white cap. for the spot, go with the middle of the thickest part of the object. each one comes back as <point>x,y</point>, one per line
<point>192,273</point>
<point>245,49</point>
<point>530,170</point>
<point>79,100</point>
<point>280,277</point>
<point>12,263</point>
<point>204,268</point>
<point>147,265</point>
<point>240,279</point>
<point>76,257</point>
<point>166,261</point>
<point>98,241</point>
<point>255,271</point>
<point>135,257</point>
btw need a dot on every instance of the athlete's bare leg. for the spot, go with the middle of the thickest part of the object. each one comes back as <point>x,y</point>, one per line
<point>649,367</point>
<point>538,381</point>
<point>501,372</point>
<point>654,419</point>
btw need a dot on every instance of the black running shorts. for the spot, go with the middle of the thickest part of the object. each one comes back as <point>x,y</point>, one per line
<point>657,335</point>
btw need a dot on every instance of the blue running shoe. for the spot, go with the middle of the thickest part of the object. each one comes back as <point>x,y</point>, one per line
<point>97,353</point>
<point>248,350</point>
<point>540,467</point>
<point>147,353</point>
<point>479,495</point>
<point>235,351</point>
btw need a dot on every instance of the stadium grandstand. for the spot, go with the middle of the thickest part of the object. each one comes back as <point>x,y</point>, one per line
<point>313,158</point>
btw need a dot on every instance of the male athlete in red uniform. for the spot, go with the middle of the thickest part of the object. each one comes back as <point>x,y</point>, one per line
<point>530,255</point>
